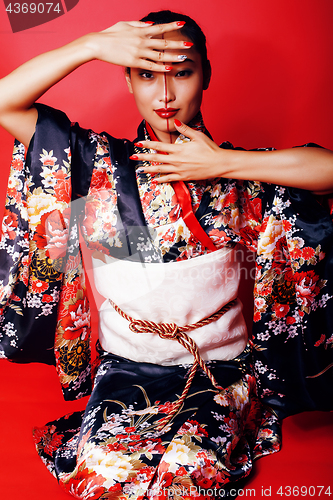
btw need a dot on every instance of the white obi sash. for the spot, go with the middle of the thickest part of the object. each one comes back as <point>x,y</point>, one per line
<point>181,292</point>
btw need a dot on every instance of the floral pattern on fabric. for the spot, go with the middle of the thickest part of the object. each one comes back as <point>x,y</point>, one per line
<point>120,454</point>
<point>288,230</point>
<point>44,285</point>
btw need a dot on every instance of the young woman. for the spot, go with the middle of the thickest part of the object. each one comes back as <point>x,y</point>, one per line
<point>174,407</point>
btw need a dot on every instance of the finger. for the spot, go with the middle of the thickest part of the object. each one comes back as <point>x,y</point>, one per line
<point>167,178</point>
<point>151,66</point>
<point>186,130</point>
<point>158,29</point>
<point>165,44</point>
<point>158,146</point>
<point>151,157</point>
<point>162,56</point>
<point>140,24</point>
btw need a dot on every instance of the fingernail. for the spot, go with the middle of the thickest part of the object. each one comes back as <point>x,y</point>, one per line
<point>149,22</point>
<point>181,23</point>
<point>182,57</point>
<point>177,122</point>
<point>134,157</point>
<point>138,144</point>
<point>168,68</point>
<point>188,44</point>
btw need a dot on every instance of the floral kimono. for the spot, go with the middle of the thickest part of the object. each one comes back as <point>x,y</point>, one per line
<point>74,182</point>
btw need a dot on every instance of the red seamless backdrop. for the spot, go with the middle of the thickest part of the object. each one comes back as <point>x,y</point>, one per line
<point>271,86</point>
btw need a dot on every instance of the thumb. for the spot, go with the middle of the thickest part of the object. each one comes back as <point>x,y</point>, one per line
<point>185,129</point>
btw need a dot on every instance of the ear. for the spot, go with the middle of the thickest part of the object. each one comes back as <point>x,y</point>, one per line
<point>128,80</point>
<point>207,75</point>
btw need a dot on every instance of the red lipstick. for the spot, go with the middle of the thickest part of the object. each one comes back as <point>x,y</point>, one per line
<point>166,112</point>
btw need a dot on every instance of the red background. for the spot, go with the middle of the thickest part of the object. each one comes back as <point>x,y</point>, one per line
<point>271,86</point>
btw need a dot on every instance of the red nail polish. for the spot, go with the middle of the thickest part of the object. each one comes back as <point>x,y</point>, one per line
<point>149,22</point>
<point>181,23</point>
<point>177,122</point>
<point>138,144</point>
<point>134,157</point>
<point>188,44</point>
<point>168,68</point>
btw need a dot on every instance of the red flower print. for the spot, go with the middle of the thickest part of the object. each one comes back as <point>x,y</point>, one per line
<point>218,234</point>
<point>100,181</point>
<point>290,320</point>
<point>286,225</point>
<point>39,433</point>
<point>9,224</point>
<point>62,188</point>
<point>130,429</point>
<point>253,209</point>
<point>205,483</point>
<point>39,286</point>
<point>52,233</point>
<point>249,236</point>
<point>320,341</point>
<point>47,438</point>
<point>116,447</point>
<point>86,485</point>
<point>231,197</point>
<point>70,290</point>
<point>181,472</point>
<point>264,288</point>
<point>192,427</point>
<point>167,479</point>
<point>76,324</point>
<point>289,275</point>
<point>308,253</point>
<point>280,310</point>
<point>17,164</point>
<point>121,436</point>
<point>167,407</point>
<point>307,286</point>
<point>296,253</point>
<point>257,316</point>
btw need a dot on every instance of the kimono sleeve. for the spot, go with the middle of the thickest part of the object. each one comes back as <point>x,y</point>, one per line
<point>293,320</point>
<point>44,307</point>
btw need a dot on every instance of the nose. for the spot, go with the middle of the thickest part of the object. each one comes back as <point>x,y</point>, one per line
<point>166,89</point>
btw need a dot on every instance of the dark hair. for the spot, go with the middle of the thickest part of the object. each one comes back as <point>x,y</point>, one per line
<point>191,30</point>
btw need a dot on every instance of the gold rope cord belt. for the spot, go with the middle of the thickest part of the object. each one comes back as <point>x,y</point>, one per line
<point>172,331</point>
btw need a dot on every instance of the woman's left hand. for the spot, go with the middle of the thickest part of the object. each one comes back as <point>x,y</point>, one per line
<point>198,159</point>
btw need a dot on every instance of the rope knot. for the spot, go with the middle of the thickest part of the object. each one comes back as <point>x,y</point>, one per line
<point>164,330</point>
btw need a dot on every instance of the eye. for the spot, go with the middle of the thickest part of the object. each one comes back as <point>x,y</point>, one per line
<point>146,75</point>
<point>184,73</point>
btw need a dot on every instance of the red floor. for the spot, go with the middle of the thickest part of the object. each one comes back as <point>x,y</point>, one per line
<point>30,395</point>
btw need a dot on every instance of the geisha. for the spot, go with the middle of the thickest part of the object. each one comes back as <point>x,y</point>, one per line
<point>181,397</point>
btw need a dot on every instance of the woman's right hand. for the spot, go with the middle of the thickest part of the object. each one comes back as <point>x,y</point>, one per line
<point>137,45</point>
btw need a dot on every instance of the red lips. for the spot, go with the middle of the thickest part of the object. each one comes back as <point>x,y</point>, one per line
<point>166,112</point>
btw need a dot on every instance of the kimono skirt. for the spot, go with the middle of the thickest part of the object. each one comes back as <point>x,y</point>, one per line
<point>116,449</point>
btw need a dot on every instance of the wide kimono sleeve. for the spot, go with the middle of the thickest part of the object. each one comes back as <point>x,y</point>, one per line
<point>291,234</point>
<point>293,314</point>
<point>44,307</point>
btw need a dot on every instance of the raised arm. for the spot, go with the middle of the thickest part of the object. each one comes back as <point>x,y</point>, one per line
<point>125,44</point>
<point>306,168</point>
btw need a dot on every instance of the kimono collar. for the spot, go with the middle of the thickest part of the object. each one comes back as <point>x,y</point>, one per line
<point>180,188</point>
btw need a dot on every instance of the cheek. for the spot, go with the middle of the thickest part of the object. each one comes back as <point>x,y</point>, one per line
<point>193,95</point>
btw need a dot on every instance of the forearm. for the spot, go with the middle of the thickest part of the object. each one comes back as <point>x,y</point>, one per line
<point>306,168</point>
<point>21,88</point>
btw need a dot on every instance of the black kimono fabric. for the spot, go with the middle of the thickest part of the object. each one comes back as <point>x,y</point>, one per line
<point>74,177</point>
